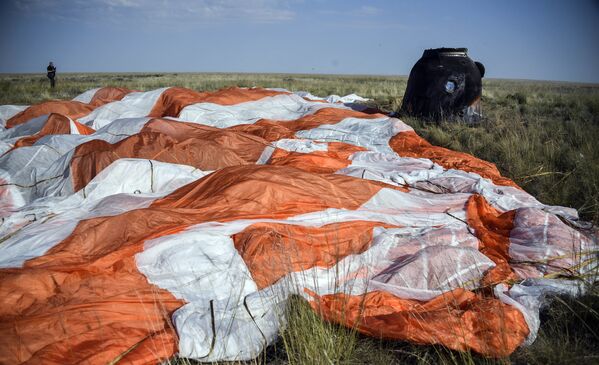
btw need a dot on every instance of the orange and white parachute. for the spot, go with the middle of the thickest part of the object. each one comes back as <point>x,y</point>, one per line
<point>140,225</point>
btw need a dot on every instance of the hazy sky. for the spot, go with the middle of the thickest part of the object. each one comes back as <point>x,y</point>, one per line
<point>551,40</point>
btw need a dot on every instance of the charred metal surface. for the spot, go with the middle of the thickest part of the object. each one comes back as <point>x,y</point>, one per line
<point>444,83</point>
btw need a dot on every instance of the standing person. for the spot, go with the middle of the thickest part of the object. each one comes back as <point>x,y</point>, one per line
<point>51,73</point>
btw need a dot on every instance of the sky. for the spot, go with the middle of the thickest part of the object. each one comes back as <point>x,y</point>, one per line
<point>543,40</point>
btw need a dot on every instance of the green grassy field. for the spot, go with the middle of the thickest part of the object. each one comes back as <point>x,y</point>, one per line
<point>543,135</point>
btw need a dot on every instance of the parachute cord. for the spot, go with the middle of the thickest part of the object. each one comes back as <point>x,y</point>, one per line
<point>133,347</point>
<point>463,221</point>
<point>213,342</point>
<point>254,320</point>
<point>151,176</point>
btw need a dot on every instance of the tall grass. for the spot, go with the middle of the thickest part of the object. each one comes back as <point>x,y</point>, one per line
<point>34,88</point>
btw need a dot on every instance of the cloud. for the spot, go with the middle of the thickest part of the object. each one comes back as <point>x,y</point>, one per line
<point>210,11</point>
<point>367,11</point>
<point>254,10</point>
<point>123,3</point>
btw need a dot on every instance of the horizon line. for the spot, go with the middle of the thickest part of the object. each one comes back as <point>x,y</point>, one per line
<point>594,83</point>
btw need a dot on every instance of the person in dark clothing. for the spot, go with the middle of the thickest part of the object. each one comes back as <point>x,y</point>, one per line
<point>51,73</point>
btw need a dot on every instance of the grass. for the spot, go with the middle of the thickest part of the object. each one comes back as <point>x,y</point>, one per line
<point>543,135</point>
<point>33,88</point>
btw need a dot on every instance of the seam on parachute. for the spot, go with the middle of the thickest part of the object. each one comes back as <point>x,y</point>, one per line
<point>31,186</point>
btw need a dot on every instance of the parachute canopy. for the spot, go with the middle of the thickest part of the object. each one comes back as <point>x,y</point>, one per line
<point>140,225</point>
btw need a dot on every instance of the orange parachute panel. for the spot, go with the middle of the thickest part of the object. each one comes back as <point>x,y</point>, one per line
<point>174,99</point>
<point>204,147</point>
<point>334,159</point>
<point>272,250</point>
<point>60,310</point>
<point>56,124</point>
<point>493,229</point>
<point>459,319</point>
<point>270,192</point>
<point>107,95</point>
<point>83,129</point>
<point>71,109</point>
